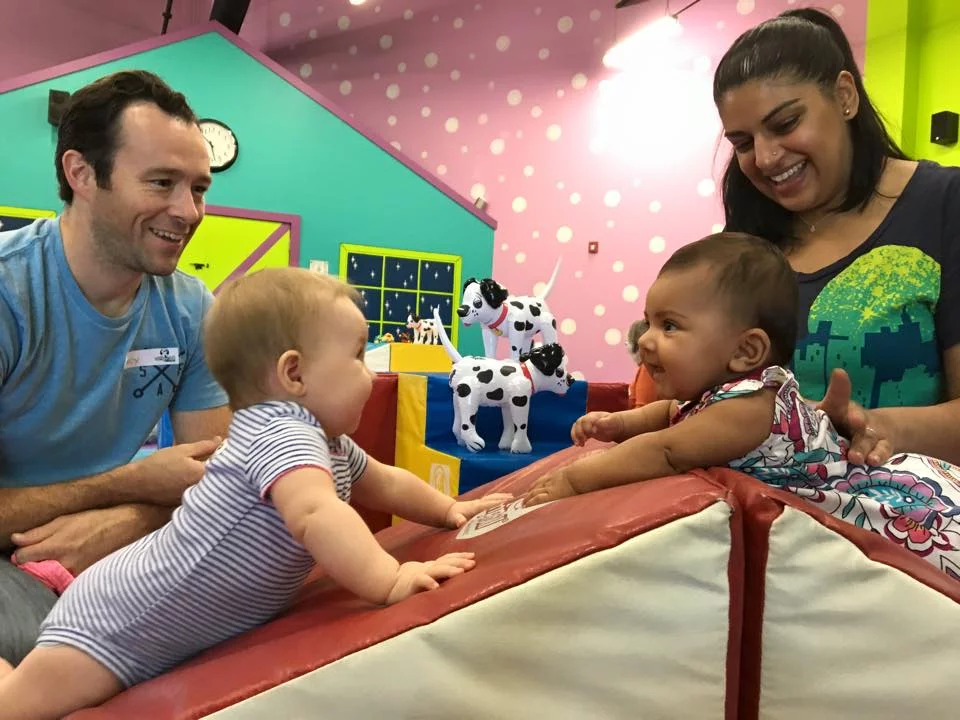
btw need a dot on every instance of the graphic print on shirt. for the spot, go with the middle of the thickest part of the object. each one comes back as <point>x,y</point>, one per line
<point>155,376</point>
<point>155,371</point>
<point>875,319</point>
<point>156,379</point>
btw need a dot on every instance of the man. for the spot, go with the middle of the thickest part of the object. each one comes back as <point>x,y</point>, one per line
<point>99,335</point>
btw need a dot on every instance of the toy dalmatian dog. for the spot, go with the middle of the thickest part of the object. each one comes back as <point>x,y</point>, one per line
<point>477,381</point>
<point>519,317</point>
<point>424,329</point>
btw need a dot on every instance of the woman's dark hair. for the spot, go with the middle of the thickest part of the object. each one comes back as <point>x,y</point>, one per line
<point>91,120</point>
<point>804,45</point>
<point>755,282</point>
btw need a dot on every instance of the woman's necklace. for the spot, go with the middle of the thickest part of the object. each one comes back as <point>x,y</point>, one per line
<point>812,227</point>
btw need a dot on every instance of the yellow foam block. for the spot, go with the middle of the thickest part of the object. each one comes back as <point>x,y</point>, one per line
<point>413,357</point>
<point>440,470</point>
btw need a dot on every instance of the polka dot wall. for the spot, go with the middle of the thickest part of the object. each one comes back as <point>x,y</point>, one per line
<point>508,100</point>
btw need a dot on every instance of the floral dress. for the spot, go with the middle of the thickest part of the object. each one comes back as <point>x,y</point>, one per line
<point>913,500</point>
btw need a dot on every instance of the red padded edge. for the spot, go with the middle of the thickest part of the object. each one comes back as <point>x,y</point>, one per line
<point>377,434</point>
<point>759,512</point>
<point>326,623</point>
<point>736,572</point>
<point>762,505</point>
<point>609,397</point>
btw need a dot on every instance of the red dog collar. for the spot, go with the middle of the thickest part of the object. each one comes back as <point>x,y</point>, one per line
<point>526,373</point>
<point>503,315</point>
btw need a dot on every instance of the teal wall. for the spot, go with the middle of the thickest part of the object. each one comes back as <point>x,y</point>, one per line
<point>295,157</point>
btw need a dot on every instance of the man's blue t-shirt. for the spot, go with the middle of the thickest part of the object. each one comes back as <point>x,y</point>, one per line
<point>80,391</point>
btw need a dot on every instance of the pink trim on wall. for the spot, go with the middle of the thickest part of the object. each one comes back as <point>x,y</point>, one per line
<point>295,241</point>
<point>267,215</point>
<point>258,253</point>
<point>284,74</point>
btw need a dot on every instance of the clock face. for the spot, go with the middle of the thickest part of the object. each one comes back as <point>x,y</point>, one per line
<point>221,144</point>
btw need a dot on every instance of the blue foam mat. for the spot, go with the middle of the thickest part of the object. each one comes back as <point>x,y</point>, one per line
<point>551,417</point>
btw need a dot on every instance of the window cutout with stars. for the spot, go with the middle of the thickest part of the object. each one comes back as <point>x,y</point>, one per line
<point>397,283</point>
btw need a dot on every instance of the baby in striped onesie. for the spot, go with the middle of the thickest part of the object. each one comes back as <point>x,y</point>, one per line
<point>287,345</point>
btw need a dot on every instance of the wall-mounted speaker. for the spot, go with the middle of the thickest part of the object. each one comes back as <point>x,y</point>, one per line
<point>230,13</point>
<point>943,128</point>
<point>56,103</point>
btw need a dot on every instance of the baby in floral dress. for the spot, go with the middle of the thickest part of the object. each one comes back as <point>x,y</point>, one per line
<point>723,323</point>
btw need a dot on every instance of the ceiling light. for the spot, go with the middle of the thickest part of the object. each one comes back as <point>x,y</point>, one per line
<point>650,42</point>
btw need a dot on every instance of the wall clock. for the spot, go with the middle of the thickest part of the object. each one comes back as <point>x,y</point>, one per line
<point>221,143</point>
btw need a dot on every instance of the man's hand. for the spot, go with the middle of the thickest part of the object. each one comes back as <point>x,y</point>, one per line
<point>77,541</point>
<point>603,426</point>
<point>872,439</point>
<point>162,477</point>
<point>555,485</point>
<point>415,577</point>
<point>463,510</point>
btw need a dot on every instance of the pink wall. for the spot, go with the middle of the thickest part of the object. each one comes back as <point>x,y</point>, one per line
<point>37,34</point>
<point>509,98</point>
<point>504,96</point>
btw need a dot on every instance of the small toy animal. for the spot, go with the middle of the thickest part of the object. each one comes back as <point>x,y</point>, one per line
<point>519,317</point>
<point>509,384</point>
<point>424,329</point>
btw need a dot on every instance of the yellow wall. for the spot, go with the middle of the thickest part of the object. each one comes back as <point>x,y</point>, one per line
<point>912,61</point>
<point>938,87</point>
<point>886,61</point>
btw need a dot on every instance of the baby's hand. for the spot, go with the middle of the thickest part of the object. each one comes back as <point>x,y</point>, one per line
<point>463,510</point>
<point>552,486</point>
<point>415,577</point>
<point>600,425</point>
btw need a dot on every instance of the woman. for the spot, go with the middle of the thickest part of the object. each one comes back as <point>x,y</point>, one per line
<point>873,236</point>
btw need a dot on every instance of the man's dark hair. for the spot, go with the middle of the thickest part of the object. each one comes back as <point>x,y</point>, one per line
<point>755,280</point>
<point>91,120</point>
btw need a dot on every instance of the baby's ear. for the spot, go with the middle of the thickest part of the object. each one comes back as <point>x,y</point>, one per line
<point>289,372</point>
<point>752,352</point>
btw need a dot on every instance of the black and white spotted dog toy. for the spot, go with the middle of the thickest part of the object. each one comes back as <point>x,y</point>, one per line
<point>510,384</point>
<point>518,317</point>
<point>424,329</point>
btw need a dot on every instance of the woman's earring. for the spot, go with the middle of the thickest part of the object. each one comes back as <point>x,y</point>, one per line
<point>846,111</point>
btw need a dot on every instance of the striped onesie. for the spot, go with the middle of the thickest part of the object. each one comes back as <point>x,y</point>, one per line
<point>225,563</point>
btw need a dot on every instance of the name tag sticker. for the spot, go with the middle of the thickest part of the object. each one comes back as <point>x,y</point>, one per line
<point>495,517</point>
<point>153,356</point>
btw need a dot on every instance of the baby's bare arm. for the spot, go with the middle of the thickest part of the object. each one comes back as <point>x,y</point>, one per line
<point>649,418</point>
<point>341,543</point>
<point>334,534</point>
<point>390,489</point>
<point>620,426</point>
<point>716,435</point>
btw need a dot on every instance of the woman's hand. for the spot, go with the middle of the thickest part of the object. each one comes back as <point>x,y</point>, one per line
<point>872,437</point>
